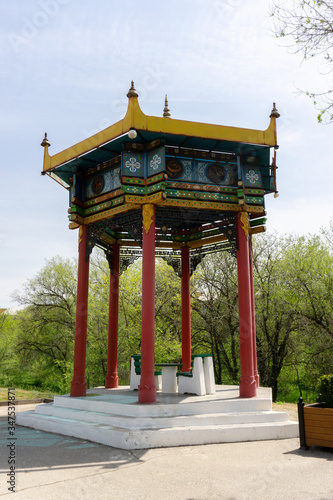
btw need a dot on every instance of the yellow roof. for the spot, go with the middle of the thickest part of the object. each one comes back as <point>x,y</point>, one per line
<point>136,119</point>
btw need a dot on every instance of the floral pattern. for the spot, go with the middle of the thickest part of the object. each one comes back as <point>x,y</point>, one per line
<point>155,162</point>
<point>252,177</point>
<point>132,164</point>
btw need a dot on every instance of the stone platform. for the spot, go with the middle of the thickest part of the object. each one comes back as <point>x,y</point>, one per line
<point>115,418</point>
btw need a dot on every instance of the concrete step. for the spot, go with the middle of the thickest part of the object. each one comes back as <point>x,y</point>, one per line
<point>158,422</point>
<point>193,407</point>
<point>121,437</point>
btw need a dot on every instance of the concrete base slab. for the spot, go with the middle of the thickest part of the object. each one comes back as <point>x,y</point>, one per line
<point>114,417</point>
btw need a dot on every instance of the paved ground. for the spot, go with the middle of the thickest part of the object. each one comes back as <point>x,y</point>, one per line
<point>57,467</point>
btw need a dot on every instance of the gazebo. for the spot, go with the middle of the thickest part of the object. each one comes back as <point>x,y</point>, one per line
<point>158,186</point>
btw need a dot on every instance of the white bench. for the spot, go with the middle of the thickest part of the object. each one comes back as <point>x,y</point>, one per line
<point>135,377</point>
<point>193,382</point>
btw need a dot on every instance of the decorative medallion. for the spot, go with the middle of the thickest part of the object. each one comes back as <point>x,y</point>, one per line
<point>147,215</point>
<point>174,168</point>
<point>252,176</point>
<point>155,162</point>
<point>98,184</point>
<point>132,164</point>
<point>216,173</point>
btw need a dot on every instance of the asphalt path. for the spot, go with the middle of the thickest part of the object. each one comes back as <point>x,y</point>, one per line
<point>50,466</point>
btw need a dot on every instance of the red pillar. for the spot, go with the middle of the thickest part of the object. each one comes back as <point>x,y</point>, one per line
<point>186,309</point>
<point>254,335</point>
<point>247,383</point>
<point>78,384</point>
<point>147,387</point>
<point>111,379</point>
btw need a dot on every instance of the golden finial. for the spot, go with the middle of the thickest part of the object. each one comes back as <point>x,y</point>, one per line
<point>45,142</point>
<point>166,110</point>
<point>132,92</point>
<point>274,112</point>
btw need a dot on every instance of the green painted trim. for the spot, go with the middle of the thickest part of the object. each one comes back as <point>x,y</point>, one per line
<point>160,186</point>
<point>200,195</point>
<point>254,200</point>
<point>103,198</point>
<point>201,187</point>
<point>104,206</point>
<point>133,180</point>
<point>254,191</point>
<point>137,190</point>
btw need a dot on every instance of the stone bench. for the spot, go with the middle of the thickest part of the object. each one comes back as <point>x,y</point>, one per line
<point>136,374</point>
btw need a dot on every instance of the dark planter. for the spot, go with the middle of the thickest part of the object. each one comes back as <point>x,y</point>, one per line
<point>315,425</point>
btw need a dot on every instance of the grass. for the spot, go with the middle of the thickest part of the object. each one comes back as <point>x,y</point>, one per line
<point>25,394</point>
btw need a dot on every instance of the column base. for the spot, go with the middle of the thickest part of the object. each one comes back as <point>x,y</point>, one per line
<point>78,389</point>
<point>147,394</point>
<point>256,376</point>
<point>111,381</point>
<point>247,387</point>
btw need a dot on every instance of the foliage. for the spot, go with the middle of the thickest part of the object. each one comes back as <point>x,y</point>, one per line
<point>215,301</point>
<point>309,23</point>
<point>276,321</point>
<point>47,326</point>
<point>293,281</point>
<point>167,318</point>
<point>325,388</point>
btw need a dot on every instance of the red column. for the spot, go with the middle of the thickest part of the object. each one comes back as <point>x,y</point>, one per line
<point>186,310</point>
<point>254,335</point>
<point>78,384</point>
<point>247,383</point>
<point>147,387</point>
<point>111,379</point>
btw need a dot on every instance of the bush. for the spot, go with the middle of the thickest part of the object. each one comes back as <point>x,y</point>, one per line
<point>325,388</point>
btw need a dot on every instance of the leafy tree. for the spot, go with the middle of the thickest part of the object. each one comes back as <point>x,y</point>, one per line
<point>308,269</point>
<point>215,301</point>
<point>167,317</point>
<point>8,339</point>
<point>276,320</point>
<point>47,324</point>
<point>309,23</point>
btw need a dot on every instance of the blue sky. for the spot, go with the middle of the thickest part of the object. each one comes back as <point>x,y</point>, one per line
<point>67,66</point>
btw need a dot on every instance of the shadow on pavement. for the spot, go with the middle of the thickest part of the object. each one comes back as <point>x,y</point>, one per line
<point>313,452</point>
<point>38,450</point>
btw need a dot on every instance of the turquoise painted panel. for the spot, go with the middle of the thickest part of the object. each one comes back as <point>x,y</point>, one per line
<point>116,178</point>
<point>156,161</point>
<point>98,184</point>
<point>132,164</point>
<point>201,171</point>
<point>252,177</point>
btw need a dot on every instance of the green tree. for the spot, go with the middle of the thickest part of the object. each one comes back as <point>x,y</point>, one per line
<point>167,317</point>
<point>47,324</point>
<point>276,320</point>
<point>309,24</point>
<point>215,302</point>
<point>9,332</point>
<point>308,270</point>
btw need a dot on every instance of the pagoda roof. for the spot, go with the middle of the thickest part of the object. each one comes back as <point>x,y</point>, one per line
<point>108,143</point>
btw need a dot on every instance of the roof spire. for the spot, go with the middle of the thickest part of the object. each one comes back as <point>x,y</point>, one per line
<point>132,92</point>
<point>166,110</point>
<point>45,141</point>
<point>274,112</point>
